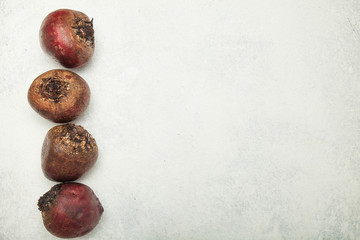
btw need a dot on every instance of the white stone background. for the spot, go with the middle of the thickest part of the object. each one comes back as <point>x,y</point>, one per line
<point>215,119</point>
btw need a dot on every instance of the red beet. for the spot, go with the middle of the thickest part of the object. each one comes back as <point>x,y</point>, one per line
<point>70,210</point>
<point>59,95</point>
<point>68,152</point>
<point>68,35</point>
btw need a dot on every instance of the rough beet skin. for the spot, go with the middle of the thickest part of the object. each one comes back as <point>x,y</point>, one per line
<point>67,153</point>
<point>68,35</point>
<point>70,210</point>
<point>59,95</point>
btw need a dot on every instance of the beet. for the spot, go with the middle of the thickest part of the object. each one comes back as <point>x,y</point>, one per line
<point>68,35</point>
<point>70,210</point>
<point>68,152</point>
<point>59,95</point>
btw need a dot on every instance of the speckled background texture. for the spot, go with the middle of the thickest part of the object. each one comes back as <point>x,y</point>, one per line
<point>215,119</point>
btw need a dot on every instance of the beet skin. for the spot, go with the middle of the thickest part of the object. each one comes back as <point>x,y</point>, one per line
<point>59,95</point>
<point>68,152</point>
<point>68,35</point>
<point>70,210</point>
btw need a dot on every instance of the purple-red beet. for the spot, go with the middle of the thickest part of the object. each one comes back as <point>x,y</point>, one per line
<point>68,152</point>
<point>68,35</point>
<point>70,210</point>
<point>59,95</point>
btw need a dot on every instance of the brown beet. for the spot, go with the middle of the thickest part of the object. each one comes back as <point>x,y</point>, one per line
<point>68,152</point>
<point>59,95</point>
<point>68,35</point>
<point>70,210</point>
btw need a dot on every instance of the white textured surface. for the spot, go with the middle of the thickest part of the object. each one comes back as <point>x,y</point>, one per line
<point>215,119</point>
